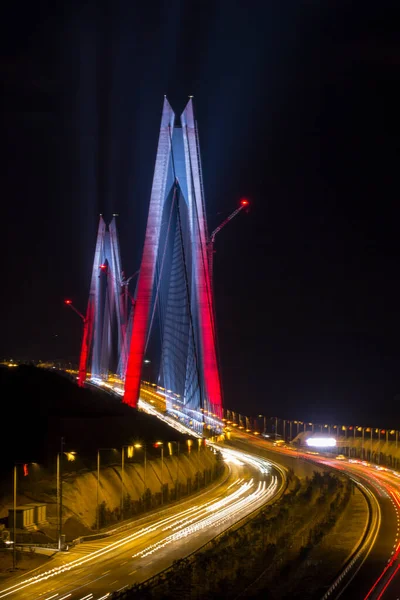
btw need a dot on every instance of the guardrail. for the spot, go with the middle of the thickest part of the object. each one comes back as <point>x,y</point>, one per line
<point>91,537</point>
<point>361,550</point>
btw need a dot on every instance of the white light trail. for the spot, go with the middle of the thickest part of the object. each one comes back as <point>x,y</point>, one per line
<point>241,499</point>
<point>220,517</point>
<point>143,405</point>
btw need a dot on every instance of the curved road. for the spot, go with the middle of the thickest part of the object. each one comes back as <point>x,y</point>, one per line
<point>377,574</point>
<point>91,571</point>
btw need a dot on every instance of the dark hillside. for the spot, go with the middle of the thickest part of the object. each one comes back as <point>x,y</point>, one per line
<point>38,407</point>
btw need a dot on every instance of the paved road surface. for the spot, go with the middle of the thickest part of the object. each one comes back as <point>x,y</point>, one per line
<point>93,570</point>
<point>379,574</point>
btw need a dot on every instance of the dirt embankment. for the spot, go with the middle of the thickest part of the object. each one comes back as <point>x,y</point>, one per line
<point>143,487</point>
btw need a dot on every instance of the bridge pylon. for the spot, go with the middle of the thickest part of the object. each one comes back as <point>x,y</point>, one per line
<point>175,277</point>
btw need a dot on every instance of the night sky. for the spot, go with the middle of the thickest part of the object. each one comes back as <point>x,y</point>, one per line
<point>298,110</point>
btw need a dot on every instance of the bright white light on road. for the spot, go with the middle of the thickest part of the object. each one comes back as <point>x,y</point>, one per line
<point>321,442</point>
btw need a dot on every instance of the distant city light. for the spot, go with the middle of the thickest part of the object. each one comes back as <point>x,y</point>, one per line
<point>321,442</point>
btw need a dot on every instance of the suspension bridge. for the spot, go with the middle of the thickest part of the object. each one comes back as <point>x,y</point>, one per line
<point>170,316</point>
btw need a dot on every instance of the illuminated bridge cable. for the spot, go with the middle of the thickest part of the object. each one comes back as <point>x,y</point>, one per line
<point>178,323</point>
<point>203,257</point>
<point>180,371</point>
<point>193,367</point>
<point>160,271</point>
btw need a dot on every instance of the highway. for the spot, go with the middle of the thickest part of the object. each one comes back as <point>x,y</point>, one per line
<point>376,574</point>
<point>92,570</point>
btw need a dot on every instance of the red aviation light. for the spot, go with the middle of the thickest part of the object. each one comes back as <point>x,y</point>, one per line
<point>68,301</point>
<point>244,202</point>
<point>103,267</point>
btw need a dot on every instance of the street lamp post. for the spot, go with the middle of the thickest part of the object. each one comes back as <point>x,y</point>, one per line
<point>15,508</point>
<point>177,471</point>
<point>162,479</point>
<point>71,457</point>
<point>362,442</point>
<point>372,431</point>
<point>138,446</point>
<point>122,482</point>
<point>379,446</point>
<point>97,491</point>
<point>59,500</point>
<point>15,520</point>
<point>160,445</point>
<point>177,465</point>
<point>129,455</point>
<point>59,490</point>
